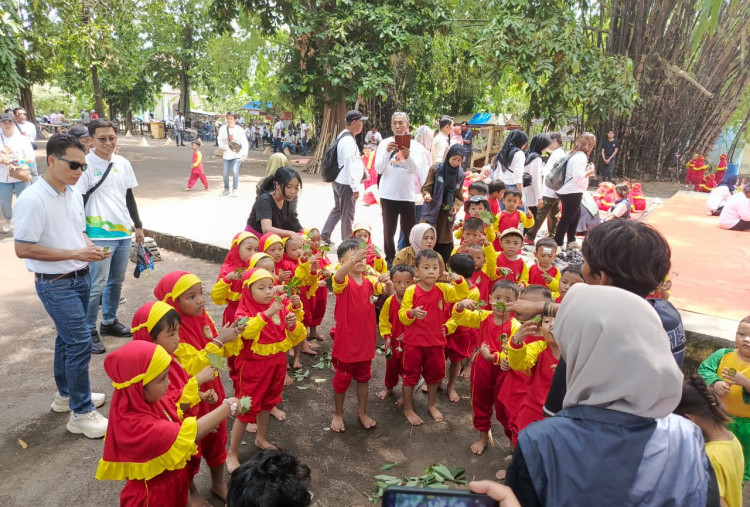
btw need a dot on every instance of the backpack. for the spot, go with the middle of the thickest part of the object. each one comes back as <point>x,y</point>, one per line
<point>329,164</point>
<point>556,177</point>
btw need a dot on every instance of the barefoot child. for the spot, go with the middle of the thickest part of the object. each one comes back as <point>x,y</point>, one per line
<point>701,406</point>
<point>316,297</point>
<point>391,329</point>
<point>727,372</point>
<point>423,314</point>
<point>374,257</point>
<point>196,170</point>
<point>354,346</point>
<point>490,365</point>
<point>543,272</point>
<point>146,443</point>
<point>227,289</point>
<point>296,261</point>
<point>270,332</point>
<point>199,337</point>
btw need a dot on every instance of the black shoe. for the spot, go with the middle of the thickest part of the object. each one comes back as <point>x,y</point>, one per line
<point>97,345</point>
<point>115,329</point>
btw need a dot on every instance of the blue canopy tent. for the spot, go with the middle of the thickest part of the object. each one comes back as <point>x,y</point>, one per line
<point>257,105</point>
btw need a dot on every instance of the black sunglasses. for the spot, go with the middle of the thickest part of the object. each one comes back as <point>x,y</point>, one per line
<point>74,166</point>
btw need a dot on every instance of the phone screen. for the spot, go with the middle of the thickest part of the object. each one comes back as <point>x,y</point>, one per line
<point>418,497</point>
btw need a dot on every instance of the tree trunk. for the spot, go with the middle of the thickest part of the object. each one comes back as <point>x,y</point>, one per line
<point>98,95</point>
<point>737,136</point>
<point>25,98</point>
<point>184,103</point>
<point>334,121</point>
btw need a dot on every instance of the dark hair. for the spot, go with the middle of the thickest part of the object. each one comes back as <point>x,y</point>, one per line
<point>548,242</point>
<point>283,176</point>
<point>465,123</point>
<point>513,143</point>
<point>445,120</point>
<point>101,123</point>
<point>170,321</point>
<point>576,269</point>
<point>699,401</point>
<point>635,255</point>
<point>426,254</point>
<point>482,200</point>
<point>480,187</point>
<point>348,245</point>
<point>233,114</point>
<point>538,289</point>
<point>512,191</point>
<point>556,136</point>
<point>473,224</point>
<point>506,284</point>
<point>272,478</point>
<point>622,189</point>
<point>58,143</point>
<point>19,108</point>
<point>463,264</point>
<point>401,268</point>
<point>538,144</point>
<point>496,186</point>
<point>196,141</point>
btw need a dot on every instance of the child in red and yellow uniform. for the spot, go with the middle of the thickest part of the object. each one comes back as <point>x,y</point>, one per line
<point>423,313</point>
<point>696,169</point>
<point>354,345</point>
<point>272,244</point>
<point>721,169</point>
<point>199,337</point>
<point>489,366</point>
<point>196,169</point>
<point>146,442</point>
<point>537,359</point>
<point>474,208</point>
<point>570,276</point>
<point>543,272</point>
<point>510,262</point>
<point>374,258</point>
<point>511,217</point>
<point>226,290</point>
<point>391,329</point>
<point>316,294</point>
<point>269,333</point>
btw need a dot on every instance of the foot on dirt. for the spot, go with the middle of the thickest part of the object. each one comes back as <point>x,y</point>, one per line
<point>195,500</point>
<point>413,418</point>
<point>385,393</point>
<point>297,364</point>
<point>307,349</point>
<point>337,424</point>
<point>220,491</point>
<point>400,402</point>
<point>453,395</point>
<point>465,373</point>
<point>232,463</point>
<point>278,414</point>
<point>288,380</point>
<point>263,444</point>
<point>436,414</point>
<point>424,388</point>
<point>315,336</point>
<point>367,421</point>
<point>251,428</point>
<point>479,446</point>
<point>500,475</point>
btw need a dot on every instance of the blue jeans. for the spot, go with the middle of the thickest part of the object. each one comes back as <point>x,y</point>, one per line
<point>276,144</point>
<point>65,301</point>
<point>106,281</point>
<point>292,147</point>
<point>303,142</point>
<point>234,166</point>
<point>401,236</point>
<point>6,196</point>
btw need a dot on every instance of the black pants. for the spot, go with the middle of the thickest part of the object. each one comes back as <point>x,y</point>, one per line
<point>571,213</point>
<point>445,250</point>
<point>608,170</point>
<point>742,225</point>
<point>550,208</point>
<point>394,212</point>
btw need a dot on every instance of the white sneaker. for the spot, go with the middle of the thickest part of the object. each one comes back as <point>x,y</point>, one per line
<point>224,193</point>
<point>6,226</point>
<point>91,424</point>
<point>235,193</point>
<point>62,403</point>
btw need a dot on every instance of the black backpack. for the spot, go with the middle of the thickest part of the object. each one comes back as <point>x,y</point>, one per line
<point>329,164</point>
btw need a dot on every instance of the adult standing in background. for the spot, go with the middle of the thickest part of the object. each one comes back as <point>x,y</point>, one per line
<point>468,139</point>
<point>232,140</point>
<point>24,126</point>
<point>441,141</point>
<point>303,128</point>
<point>85,117</point>
<point>16,152</point>
<point>550,202</point>
<point>81,133</point>
<point>373,138</point>
<point>577,174</point>
<point>94,115</point>
<point>53,118</point>
<point>112,221</point>
<point>348,183</point>
<point>532,194</point>
<point>398,166</point>
<point>179,130</point>
<point>50,235</point>
<point>278,132</point>
<point>510,161</point>
<point>609,151</point>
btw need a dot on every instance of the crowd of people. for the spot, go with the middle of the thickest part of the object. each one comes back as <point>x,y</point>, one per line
<point>458,299</point>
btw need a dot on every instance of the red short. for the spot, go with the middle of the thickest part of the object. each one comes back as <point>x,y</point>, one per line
<point>459,344</point>
<point>168,489</point>
<point>213,447</point>
<point>428,362</point>
<point>361,371</point>
<point>261,379</point>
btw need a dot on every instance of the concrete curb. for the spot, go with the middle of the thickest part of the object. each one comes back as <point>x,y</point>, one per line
<point>188,247</point>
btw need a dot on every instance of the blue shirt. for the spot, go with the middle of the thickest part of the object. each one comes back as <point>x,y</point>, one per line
<point>467,136</point>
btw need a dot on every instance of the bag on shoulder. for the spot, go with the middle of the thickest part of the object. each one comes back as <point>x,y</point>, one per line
<point>556,177</point>
<point>329,164</point>
<point>527,179</point>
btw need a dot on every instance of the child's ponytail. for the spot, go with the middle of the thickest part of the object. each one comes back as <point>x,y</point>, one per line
<point>698,400</point>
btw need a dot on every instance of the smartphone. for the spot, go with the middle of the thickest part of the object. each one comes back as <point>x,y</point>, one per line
<point>403,141</point>
<point>400,496</point>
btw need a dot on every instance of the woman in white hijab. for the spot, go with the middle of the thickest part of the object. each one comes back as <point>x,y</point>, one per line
<point>421,237</point>
<point>615,442</point>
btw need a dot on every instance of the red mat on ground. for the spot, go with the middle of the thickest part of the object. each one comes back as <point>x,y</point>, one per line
<point>300,160</point>
<point>708,263</point>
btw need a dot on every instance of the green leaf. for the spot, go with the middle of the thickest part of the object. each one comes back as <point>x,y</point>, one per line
<point>218,362</point>
<point>389,466</point>
<point>385,477</point>
<point>245,403</point>
<point>303,388</point>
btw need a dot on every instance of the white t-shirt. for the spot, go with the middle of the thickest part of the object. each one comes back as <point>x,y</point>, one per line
<point>533,193</point>
<point>717,198</point>
<point>303,131</point>
<point>557,154</point>
<point>277,128</point>
<point>53,118</point>
<point>351,168</point>
<point>236,134</point>
<point>440,146</point>
<point>735,209</point>
<point>107,215</point>
<point>28,129</point>
<point>179,123</point>
<point>397,181</point>
<point>575,180</point>
<point>17,147</point>
<point>514,174</point>
<point>44,216</point>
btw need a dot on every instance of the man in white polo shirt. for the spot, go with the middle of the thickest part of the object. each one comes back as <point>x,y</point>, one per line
<point>49,234</point>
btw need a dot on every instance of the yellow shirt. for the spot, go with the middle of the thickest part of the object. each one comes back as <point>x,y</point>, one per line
<point>733,402</point>
<point>729,464</point>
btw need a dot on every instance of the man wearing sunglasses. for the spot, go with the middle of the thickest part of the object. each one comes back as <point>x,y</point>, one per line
<point>50,234</point>
<point>111,222</point>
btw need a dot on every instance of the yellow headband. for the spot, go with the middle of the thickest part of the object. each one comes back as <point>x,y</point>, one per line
<point>255,259</point>
<point>362,227</point>
<point>243,236</point>
<point>258,274</point>
<point>183,284</point>
<point>155,314</point>
<point>159,362</point>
